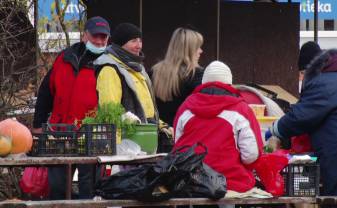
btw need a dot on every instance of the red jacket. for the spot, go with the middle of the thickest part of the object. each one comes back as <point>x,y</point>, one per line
<point>73,95</point>
<point>227,126</point>
<point>69,89</point>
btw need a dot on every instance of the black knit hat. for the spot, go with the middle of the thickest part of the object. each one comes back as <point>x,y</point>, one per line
<point>125,32</point>
<point>308,51</point>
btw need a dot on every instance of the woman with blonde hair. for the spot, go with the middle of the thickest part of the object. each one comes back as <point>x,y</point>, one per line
<point>175,77</point>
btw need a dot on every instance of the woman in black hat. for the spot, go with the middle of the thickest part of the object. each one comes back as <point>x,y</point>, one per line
<point>121,76</point>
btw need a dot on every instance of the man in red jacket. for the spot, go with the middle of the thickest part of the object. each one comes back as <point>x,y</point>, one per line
<point>217,116</point>
<point>67,93</point>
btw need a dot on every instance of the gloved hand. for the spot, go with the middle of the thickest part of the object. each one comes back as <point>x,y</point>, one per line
<point>132,118</point>
<point>267,134</point>
<point>164,127</point>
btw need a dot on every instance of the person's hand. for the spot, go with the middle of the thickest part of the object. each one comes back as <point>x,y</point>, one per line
<point>267,135</point>
<point>132,118</point>
<point>168,131</point>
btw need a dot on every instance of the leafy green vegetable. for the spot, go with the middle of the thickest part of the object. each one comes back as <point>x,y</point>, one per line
<point>111,113</point>
<point>267,149</point>
<point>88,120</point>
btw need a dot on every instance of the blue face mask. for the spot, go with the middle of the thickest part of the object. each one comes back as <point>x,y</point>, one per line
<point>94,49</point>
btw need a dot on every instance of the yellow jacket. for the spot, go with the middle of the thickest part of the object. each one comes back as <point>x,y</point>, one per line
<point>118,83</point>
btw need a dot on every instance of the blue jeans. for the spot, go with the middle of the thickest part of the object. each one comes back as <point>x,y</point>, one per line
<point>57,181</point>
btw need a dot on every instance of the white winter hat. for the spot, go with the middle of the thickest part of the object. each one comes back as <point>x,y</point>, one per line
<point>217,71</point>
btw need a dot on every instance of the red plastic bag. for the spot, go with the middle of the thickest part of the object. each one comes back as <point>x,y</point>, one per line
<point>301,144</point>
<point>268,168</point>
<point>34,181</point>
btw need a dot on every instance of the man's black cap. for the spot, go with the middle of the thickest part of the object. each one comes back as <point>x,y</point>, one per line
<point>96,25</point>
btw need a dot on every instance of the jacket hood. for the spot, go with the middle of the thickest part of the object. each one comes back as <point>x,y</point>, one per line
<point>208,105</point>
<point>325,62</point>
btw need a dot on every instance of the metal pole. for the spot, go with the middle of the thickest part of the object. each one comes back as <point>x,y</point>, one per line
<point>141,15</point>
<point>316,20</point>
<point>218,30</point>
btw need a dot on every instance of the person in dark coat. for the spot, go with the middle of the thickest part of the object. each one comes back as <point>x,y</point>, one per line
<point>308,52</point>
<point>175,77</point>
<point>316,114</point>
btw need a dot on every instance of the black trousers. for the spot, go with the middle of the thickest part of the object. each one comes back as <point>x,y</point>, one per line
<point>57,181</point>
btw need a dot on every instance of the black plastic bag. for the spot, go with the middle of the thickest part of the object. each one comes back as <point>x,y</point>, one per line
<point>180,174</point>
<point>181,161</point>
<point>202,182</point>
<point>188,176</point>
<point>135,183</point>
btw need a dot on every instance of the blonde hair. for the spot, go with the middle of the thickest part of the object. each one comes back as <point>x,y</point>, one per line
<point>178,64</point>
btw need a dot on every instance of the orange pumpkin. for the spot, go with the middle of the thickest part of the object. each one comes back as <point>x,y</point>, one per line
<point>5,146</point>
<point>22,139</point>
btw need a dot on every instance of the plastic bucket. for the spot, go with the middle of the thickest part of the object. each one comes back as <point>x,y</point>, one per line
<point>146,136</point>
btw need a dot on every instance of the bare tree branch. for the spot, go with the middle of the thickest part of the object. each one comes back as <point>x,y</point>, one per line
<point>61,13</point>
<point>17,62</point>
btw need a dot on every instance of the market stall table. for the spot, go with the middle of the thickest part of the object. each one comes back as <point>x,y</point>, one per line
<point>69,161</point>
<point>171,202</point>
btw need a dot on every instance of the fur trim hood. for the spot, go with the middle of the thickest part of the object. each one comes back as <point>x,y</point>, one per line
<point>325,62</point>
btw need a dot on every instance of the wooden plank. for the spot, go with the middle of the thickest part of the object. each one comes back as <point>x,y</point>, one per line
<point>12,205</point>
<point>31,161</point>
<point>281,93</point>
<point>327,200</point>
<point>135,203</point>
<point>38,161</point>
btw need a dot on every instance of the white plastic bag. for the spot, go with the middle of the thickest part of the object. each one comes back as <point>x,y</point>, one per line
<point>129,147</point>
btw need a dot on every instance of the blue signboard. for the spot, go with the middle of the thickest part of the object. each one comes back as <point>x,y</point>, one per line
<point>327,9</point>
<point>47,7</point>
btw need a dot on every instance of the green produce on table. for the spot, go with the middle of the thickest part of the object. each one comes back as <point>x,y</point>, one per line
<point>109,113</point>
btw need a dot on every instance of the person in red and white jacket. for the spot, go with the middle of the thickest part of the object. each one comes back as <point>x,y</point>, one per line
<point>215,115</point>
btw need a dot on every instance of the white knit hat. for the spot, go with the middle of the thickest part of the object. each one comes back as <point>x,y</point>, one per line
<point>217,71</point>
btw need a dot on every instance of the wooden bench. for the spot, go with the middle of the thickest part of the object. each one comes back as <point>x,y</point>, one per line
<point>70,161</point>
<point>171,202</point>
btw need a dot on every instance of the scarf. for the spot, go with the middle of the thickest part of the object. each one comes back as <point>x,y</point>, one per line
<point>131,60</point>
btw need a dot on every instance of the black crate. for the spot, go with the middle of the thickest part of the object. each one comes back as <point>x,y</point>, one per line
<point>67,140</point>
<point>301,180</point>
<point>100,139</point>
